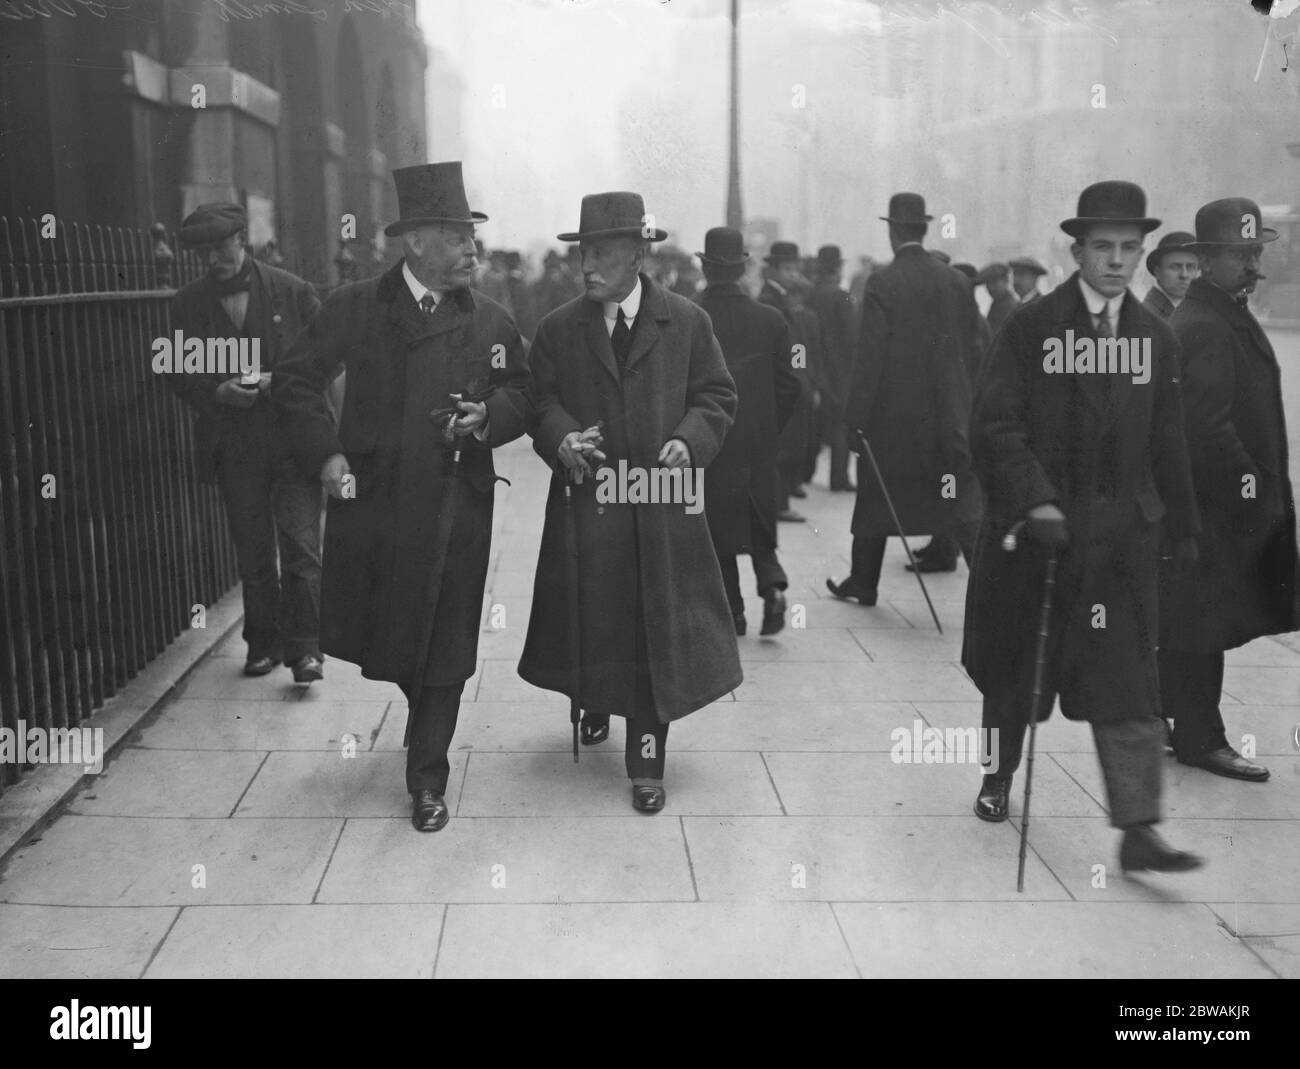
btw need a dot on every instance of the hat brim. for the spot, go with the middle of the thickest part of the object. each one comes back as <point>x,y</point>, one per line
<point>1266,234</point>
<point>617,232</point>
<point>890,219</point>
<point>1073,226</point>
<point>402,225</point>
<point>1036,271</point>
<point>718,261</point>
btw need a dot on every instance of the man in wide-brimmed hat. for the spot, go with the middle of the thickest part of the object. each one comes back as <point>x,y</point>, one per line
<point>910,398</point>
<point>1025,273</point>
<point>1173,265</point>
<point>781,274</point>
<point>272,508</point>
<point>995,278</point>
<point>435,372</point>
<point>1082,454</point>
<point>741,502</point>
<point>839,334</point>
<point>631,379</point>
<point>1247,580</point>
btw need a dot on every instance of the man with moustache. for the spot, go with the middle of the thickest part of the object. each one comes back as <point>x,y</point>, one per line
<point>1247,581</point>
<point>629,375</point>
<point>398,583</point>
<point>1087,466</point>
<point>1173,266</point>
<point>270,505</point>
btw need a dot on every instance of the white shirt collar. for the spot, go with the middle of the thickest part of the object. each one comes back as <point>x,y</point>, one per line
<point>908,244</point>
<point>631,304</point>
<point>418,289</point>
<point>1096,301</point>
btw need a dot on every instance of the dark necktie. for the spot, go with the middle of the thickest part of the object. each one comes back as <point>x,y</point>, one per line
<point>428,304</point>
<point>1242,300</point>
<point>1104,327</point>
<point>621,339</point>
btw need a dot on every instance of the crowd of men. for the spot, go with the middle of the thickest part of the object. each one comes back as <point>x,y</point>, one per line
<point>1137,487</point>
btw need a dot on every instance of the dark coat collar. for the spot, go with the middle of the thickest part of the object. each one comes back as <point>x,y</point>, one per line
<point>724,289</point>
<point>415,324</point>
<point>655,309</point>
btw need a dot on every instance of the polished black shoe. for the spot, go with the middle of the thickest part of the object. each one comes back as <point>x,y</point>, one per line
<point>926,565</point>
<point>773,612</point>
<point>738,618</point>
<point>428,811</point>
<point>308,669</point>
<point>1227,762</point>
<point>992,802</point>
<point>594,729</point>
<point>849,589</point>
<point>1142,849</point>
<point>790,516</point>
<point>648,799</point>
<point>260,666</point>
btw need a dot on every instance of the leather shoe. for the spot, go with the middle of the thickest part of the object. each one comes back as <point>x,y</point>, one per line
<point>927,565</point>
<point>991,803</point>
<point>1225,761</point>
<point>428,811</point>
<point>1142,849</point>
<point>308,669</point>
<point>773,612</point>
<point>594,729</point>
<point>849,589</point>
<point>259,666</point>
<point>648,799</point>
<point>790,516</point>
<point>738,618</point>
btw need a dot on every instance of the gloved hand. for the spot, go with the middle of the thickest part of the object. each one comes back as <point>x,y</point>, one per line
<point>1186,554</point>
<point>1045,524</point>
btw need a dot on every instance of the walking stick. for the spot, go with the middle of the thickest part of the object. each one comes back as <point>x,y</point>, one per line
<point>1044,622</point>
<point>866,447</point>
<point>575,631</point>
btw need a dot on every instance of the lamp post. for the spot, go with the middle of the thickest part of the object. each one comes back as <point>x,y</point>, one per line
<point>735,213</point>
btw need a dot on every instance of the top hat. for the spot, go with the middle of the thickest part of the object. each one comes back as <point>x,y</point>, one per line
<point>1111,202</point>
<point>1231,221</point>
<point>1174,241</point>
<point>967,269</point>
<point>1027,263</point>
<point>210,223</point>
<point>991,271</point>
<point>906,208</point>
<point>724,246</point>
<point>613,215</point>
<point>430,193</point>
<point>782,252</point>
<point>940,255</point>
<point>829,258</point>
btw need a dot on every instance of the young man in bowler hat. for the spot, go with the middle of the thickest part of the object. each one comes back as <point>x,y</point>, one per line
<point>1085,465</point>
<point>270,504</point>
<point>1173,265</point>
<point>398,583</point>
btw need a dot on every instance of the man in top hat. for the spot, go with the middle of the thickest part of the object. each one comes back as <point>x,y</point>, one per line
<point>1247,580</point>
<point>1173,266</point>
<point>630,377</point>
<point>1025,273</point>
<point>436,378</point>
<point>839,335</point>
<point>910,398</point>
<point>994,278</point>
<point>780,275</point>
<point>741,502</point>
<point>270,505</point>
<point>1082,455</point>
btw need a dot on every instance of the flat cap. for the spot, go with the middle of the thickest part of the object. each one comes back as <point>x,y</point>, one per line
<point>212,222</point>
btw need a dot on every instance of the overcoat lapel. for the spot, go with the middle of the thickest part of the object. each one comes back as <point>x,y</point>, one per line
<point>596,337</point>
<point>653,309</point>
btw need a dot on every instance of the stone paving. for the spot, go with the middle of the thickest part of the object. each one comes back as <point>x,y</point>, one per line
<point>792,843</point>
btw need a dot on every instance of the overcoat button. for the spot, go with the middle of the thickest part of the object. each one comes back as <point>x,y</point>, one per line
<point>275,319</point>
<point>600,510</point>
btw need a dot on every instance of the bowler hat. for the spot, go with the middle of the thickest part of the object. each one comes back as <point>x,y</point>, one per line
<point>1027,263</point>
<point>1110,202</point>
<point>940,255</point>
<point>782,252</point>
<point>1231,221</point>
<point>991,271</point>
<point>1174,241</point>
<point>613,215</point>
<point>430,193</point>
<point>906,208</point>
<point>829,258</point>
<point>210,223</point>
<point>724,246</point>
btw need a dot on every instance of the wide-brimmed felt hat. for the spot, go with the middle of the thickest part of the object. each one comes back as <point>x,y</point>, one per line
<point>1174,241</point>
<point>724,246</point>
<point>430,193</point>
<point>906,208</point>
<point>614,215</point>
<point>829,257</point>
<point>1026,263</point>
<point>1110,202</point>
<point>1231,221</point>
<point>991,271</point>
<point>782,252</point>
<point>210,223</point>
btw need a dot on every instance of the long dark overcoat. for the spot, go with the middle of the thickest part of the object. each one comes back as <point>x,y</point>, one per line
<point>1041,437</point>
<point>1247,580</point>
<point>675,385</point>
<point>755,342</point>
<point>839,335</point>
<point>792,443</point>
<point>911,392</point>
<point>401,364</point>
